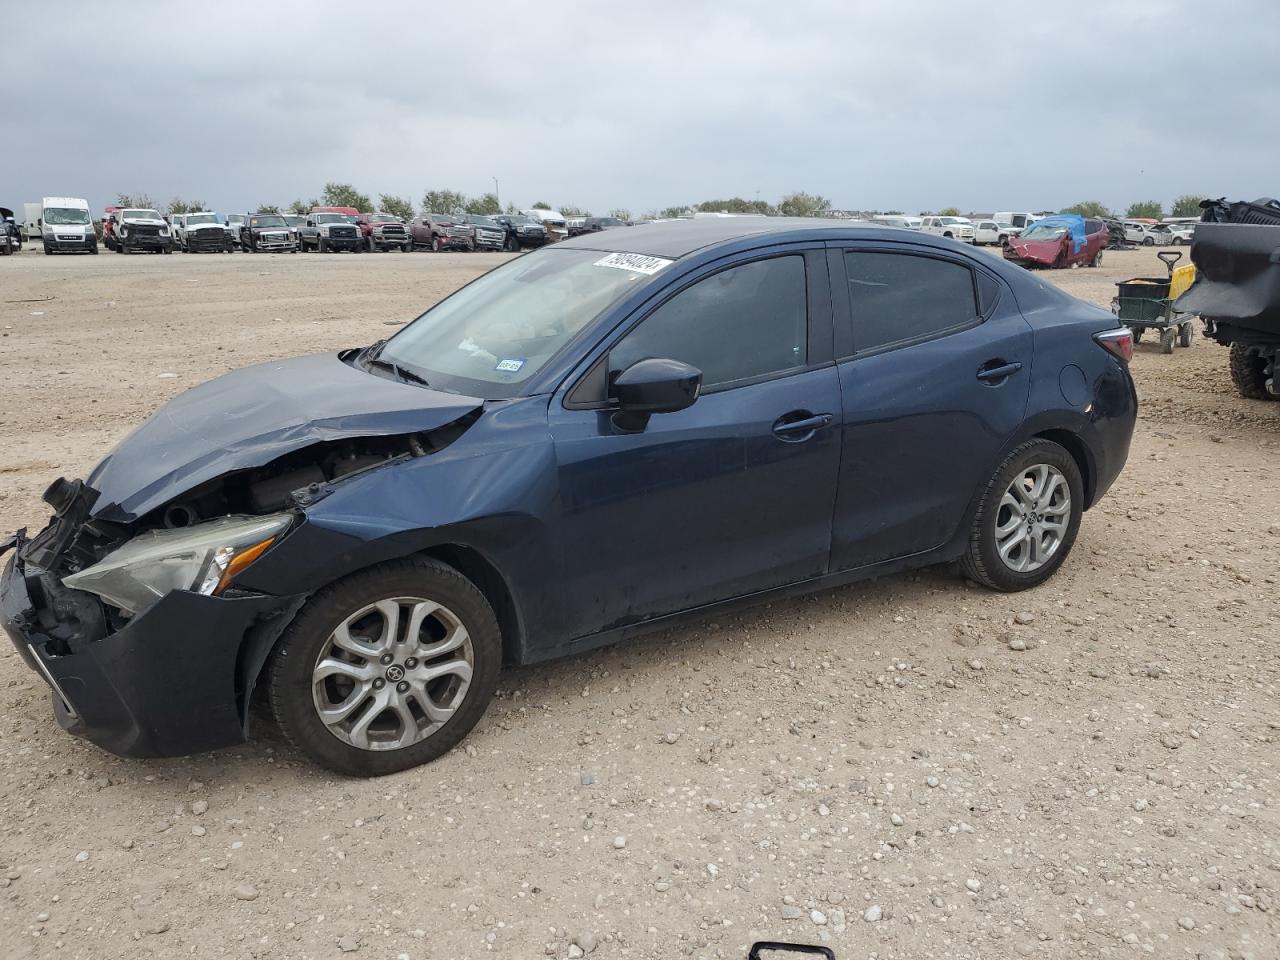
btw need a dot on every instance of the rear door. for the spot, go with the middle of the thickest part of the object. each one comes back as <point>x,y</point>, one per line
<point>935,364</point>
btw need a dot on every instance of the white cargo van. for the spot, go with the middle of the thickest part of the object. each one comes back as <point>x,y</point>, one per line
<point>66,226</point>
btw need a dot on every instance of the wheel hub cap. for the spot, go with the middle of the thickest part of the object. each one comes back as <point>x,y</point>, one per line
<point>392,673</point>
<point>1032,517</point>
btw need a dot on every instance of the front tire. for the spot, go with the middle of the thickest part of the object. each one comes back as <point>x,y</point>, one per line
<point>1027,519</point>
<point>436,245</point>
<point>386,669</point>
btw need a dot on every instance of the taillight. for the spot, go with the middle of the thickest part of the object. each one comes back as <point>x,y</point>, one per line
<point>1118,343</point>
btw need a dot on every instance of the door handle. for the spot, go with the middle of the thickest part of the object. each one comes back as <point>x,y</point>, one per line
<point>785,428</point>
<point>990,374</point>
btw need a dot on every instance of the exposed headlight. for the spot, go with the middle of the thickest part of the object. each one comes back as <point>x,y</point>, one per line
<point>124,231</point>
<point>202,558</point>
<point>164,231</point>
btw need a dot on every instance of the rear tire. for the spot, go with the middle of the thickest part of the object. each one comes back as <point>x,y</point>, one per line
<point>982,561</point>
<point>297,688</point>
<point>1249,373</point>
<point>1167,337</point>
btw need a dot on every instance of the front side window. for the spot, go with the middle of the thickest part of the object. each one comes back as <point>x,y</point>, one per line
<point>745,322</point>
<point>898,297</point>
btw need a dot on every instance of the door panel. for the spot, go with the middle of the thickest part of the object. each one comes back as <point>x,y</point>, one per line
<point>924,425</point>
<point>706,504</point>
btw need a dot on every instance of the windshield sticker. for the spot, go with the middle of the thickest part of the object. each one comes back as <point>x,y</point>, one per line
<point>635,262</point>
<point>509,366</point>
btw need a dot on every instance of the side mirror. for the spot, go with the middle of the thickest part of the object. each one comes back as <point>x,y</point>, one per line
<point>653,386</point>
<point>311,223</point>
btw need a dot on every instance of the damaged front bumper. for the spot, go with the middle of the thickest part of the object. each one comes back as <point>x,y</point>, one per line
<point>175,680</point>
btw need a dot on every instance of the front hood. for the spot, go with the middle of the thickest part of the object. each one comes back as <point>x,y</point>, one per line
<point>1043,251</point>
<point>143,222</point>
<point>249,417</point>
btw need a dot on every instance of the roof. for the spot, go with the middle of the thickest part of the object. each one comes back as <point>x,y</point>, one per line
<point>676,238</point>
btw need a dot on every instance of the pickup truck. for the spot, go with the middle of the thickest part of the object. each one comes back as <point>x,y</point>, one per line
<point>440,231</point>
<point>522,231</point>
<point>955,228</point>
<point>331,228</point>
<point>554,221</point>
<point>134,228</point>
<point>486,233</point>
<point>202,231</point>
<point>1146,234</point>
<point>266,232</point>
<point>382,231</point>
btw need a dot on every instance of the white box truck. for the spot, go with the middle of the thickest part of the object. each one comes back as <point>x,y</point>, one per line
<point>66,225</point>
<point>31,222</point>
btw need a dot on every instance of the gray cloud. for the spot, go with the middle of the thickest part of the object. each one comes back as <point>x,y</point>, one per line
<point>917,104</point>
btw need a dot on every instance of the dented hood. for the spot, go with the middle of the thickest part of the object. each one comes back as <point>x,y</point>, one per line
<point>250,417</point>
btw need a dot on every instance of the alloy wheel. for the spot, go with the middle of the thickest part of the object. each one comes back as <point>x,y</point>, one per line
<point>393,673</point>
<point>1032,518</point>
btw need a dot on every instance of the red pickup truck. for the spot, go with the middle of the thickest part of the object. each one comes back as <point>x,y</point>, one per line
<point>382,231</point>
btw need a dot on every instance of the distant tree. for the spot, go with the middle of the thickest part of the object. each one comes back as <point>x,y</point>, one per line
<point>443,201</point>
<point>734,205</point>
<point>510,208</point>
<point>949,212</point>
<point>1088,208</point>
<point>140,201</point>
<point>671,213</point>
<point>484,205</point>
<point>540,205</point>
<point>1146,209</point>
<point>621,213</point>
<point>396,206</point>
<point>345,195</point>
<point>569,210</point>
<point>801,204</point>
<point>270,208</point>
<point>178,205</point>
<point>1187,205</point>
<point>301,206</point>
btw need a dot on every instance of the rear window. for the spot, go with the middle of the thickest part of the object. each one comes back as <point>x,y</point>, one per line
<point>898,298</point>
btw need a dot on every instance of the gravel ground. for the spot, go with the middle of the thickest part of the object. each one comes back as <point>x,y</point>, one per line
<point>907,768</point>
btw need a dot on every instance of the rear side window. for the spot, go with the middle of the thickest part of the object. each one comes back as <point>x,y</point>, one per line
<point>745,322</point>
<point>898,298</point>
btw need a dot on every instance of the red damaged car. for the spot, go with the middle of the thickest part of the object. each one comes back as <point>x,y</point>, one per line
<point>1064,240</point>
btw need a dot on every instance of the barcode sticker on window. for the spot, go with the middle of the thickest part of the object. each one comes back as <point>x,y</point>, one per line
<point>635,262</point>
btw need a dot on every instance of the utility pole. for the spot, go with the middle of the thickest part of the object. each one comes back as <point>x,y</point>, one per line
<point>495,193</point>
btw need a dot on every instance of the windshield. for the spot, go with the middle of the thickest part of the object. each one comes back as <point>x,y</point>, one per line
<point>197,218</point>
<point>521,218</point>
<point>236,218</point>
<point>1044,231</point>
<point>383,218</point>
<point>268,221</point>
<point>496,333</point>
<point>140,215</point>
<point>334,218</point>
<point>65,216</point>
<point>293,219</point>
<point>950,221</point>
<point>482,221</point>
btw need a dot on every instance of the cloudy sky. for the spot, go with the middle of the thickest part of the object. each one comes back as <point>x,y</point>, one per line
<point>914,104</point>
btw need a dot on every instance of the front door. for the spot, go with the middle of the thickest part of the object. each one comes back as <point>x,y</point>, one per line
<point>730,496</point>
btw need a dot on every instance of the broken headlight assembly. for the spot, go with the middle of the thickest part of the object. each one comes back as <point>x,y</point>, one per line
<point>203,558</point>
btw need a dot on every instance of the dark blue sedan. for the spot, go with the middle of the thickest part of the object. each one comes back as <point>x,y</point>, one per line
<point>589,442</point>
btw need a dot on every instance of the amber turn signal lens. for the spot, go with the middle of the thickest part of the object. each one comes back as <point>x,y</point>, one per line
<point>240,561</point>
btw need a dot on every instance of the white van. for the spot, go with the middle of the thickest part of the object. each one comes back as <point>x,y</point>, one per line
<point>1018,220</point>
<point>553,220</point>
<point>66,225</point>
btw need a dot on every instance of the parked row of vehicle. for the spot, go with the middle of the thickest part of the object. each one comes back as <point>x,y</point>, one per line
<point>65,224</point>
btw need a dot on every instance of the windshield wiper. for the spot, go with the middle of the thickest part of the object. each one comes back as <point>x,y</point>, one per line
<point>398,370</point>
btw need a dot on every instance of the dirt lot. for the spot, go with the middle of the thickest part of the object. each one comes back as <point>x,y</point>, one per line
<point>875,767</point>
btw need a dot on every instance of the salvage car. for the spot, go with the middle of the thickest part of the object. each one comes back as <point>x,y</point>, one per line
<point>141,229</point>
<point>1060,241</point>
<point>440,231</point>
<point>267,233</point>
<point>595,440</point>
<point>522,232</point>
<point>10,235</point>
<point>486,233</point>
<point>331,228</point>
<point>201,231</point>
<point>383,231</point>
